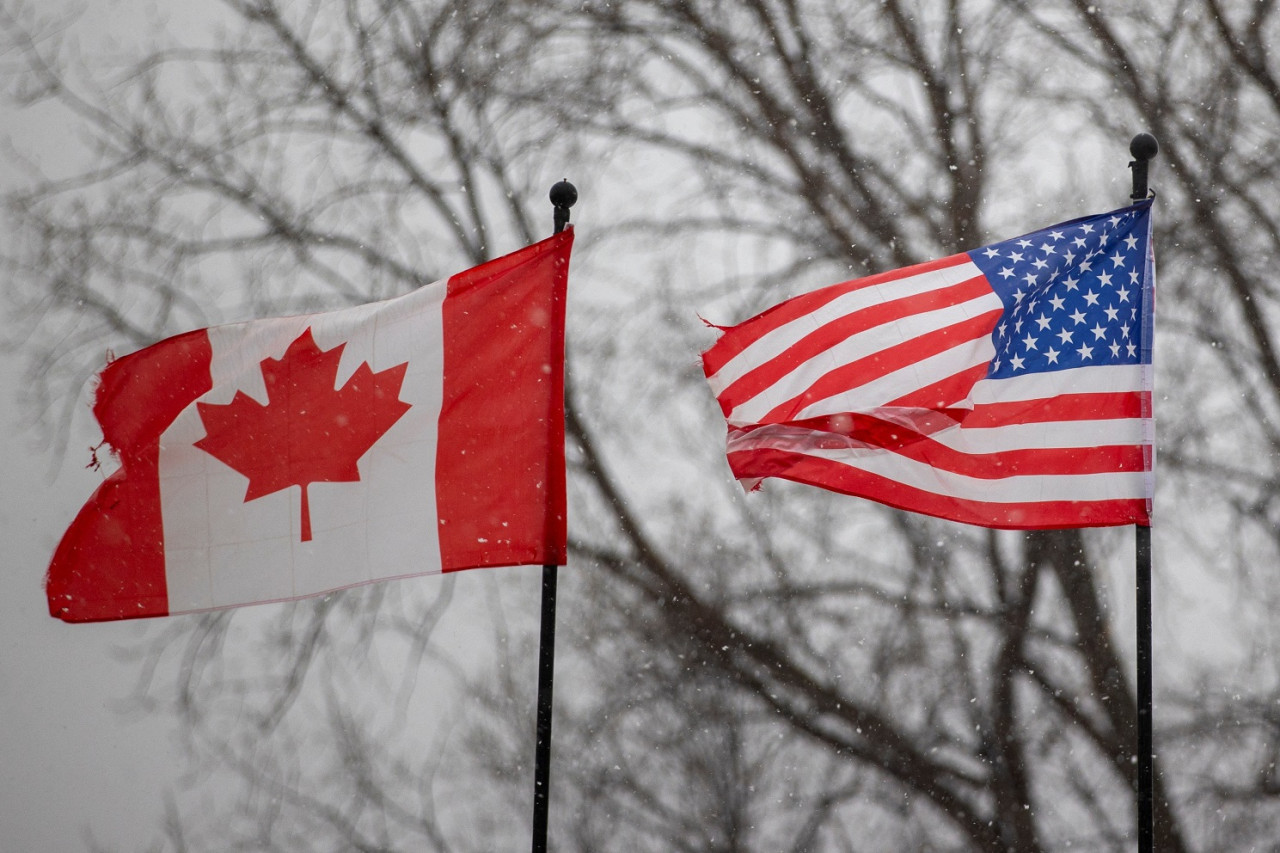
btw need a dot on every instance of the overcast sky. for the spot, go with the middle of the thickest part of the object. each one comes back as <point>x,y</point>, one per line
<point>75,756</point>
<point>72,756</point>
<point>75,759</point>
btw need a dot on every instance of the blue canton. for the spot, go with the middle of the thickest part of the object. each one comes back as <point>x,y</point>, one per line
<point>1075,295</point>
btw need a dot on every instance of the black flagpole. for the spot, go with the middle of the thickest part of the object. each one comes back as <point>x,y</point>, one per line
<point>1143,148</point>
<point>1146,842</point>
<point>563,196</point>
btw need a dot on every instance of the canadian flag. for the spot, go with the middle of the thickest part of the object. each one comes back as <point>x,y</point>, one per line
<point>277,459</point>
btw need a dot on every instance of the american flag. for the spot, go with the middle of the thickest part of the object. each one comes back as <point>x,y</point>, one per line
<point>1009,386</point>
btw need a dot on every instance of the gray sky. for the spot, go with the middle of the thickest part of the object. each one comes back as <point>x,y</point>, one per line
<point>72,757</point>
<point>75,756</point>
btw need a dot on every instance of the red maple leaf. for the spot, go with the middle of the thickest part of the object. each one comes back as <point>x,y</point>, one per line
<point>308,432</point>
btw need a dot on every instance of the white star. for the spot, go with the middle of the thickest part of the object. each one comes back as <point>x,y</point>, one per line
<point>1115,220</point>
<point>1099,333</point>
<point>1055,236</point>
<point>1131,241</point>
<point>1047,248</point>
<point>1043,322</point>
<point>1091,298</point>
<point>991,252</point>
<point>1024,243</point>
<point>1039,263</point>
<point>1113,313</point>
<point>1052,355</point>
<point>1029,342</point>
<point>1071,282</point>
<point>1087,228</point>
<point>1104,279</point>
<point>1070,256</point>
<point>1016,361</point>
<point>1132,349</point>
<point>1056,302</point>
<point>1123,293</point>
<point>1065,336</point>
<point>1030,278</point>
<point>1079,241</point>
<point>1006,272</point>
<point>1015,256</point>
<point>1115,350</point>
<point>1078,317</point>
<point>1117,259</point>
<point>1086,352</point>
<point>1124,330</point>
<point>1085,266</point>
<point>1018,296</point>
<point>1133,276</point>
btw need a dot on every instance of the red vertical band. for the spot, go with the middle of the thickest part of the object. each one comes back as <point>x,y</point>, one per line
<point>110,562</point>
<point>500,480</point>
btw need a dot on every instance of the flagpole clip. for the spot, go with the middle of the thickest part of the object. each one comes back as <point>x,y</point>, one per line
<point>563,196</point>
<point>1144,148</point>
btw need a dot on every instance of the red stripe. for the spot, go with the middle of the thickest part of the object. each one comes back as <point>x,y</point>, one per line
<point>1046,461</point>
<point>884,362</point>
<point>841,329</point>
<point>1063,407</point>
<point>500,487</point>
<point>110,562</point>
<point>741,336</point>
<point>852,481</point>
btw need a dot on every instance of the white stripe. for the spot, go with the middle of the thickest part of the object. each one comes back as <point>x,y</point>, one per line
<point>777,341</point>
<point>1011,490</point>
<point>1102,379</point>
<point>1040,436</point>
<point>866,344</point>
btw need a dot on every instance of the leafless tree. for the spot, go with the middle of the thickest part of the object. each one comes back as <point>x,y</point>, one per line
<point>789,670</point>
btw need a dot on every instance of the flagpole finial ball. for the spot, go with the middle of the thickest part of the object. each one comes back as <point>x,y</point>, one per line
<point>1144,147</point>
<point>564,194</point>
